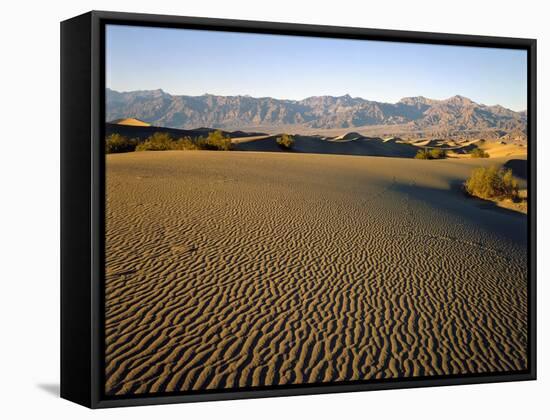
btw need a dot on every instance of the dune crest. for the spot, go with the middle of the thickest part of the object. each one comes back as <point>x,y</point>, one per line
<point>131,121</point>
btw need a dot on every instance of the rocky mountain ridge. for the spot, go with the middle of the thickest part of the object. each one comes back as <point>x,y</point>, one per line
<point>450,117</point>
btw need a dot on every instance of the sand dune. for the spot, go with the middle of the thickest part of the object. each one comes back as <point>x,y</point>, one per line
<point>228,269</point>
<point>348,136</point>
<point>362,146</point>
<point>358,145</point>
<point>131,121</point>
<point>143,131</point>
<point>464,146</point>
<point>246,139</point>
<point>499,149</point>
<point>427,143</point>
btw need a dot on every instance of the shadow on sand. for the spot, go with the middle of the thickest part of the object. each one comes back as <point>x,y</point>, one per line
<point>502,222</point>
<point>518,167</point>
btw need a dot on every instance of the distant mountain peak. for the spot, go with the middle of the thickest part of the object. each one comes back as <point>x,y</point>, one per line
<point>459,99</point>
<point>415,100</point>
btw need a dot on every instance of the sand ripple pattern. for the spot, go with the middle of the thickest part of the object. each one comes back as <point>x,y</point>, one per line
<point>229,270</point>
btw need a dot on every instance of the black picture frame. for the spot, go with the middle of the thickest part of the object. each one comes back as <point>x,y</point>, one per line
<point>83,199</point>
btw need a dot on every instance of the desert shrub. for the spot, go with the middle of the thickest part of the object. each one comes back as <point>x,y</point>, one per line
<point>157,141</point>
<point>431,154</point>
<point>215,141</point>
<point>163,141</point>
<point>492,182</point>
<point>185,143</point>
<point>438,154</point>
<point>285,141</point>
<point>218,141</point>
<point>422,154</point>
<point>116,143</point>
<point>479,153</point>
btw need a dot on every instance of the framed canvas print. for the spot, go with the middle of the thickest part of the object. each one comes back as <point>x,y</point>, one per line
<point>255,209</point>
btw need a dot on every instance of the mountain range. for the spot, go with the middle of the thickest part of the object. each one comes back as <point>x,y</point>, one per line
<point>417,116</point>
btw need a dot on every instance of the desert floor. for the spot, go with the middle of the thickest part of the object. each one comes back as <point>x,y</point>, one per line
<point>236,269</point>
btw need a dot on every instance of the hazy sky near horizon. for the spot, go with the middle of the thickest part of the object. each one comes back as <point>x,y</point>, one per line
<point>193,62</point>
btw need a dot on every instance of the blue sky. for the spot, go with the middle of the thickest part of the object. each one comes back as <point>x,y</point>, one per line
<point>192,62</point>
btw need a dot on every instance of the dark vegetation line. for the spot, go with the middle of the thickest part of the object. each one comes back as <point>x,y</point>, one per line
<point>215,140</point>
<point>117,143</point>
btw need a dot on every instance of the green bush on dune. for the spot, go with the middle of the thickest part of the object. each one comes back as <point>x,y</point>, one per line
<point>185,143</point>
<point>438,154</point>
<point>479,153</point>
<point>422,154</point>
<point>286,141</point>
<point>164,141</point>
<point>431,154</point>
<point>157,141</point>
<point>215,141</point>
<point>116,143</point>
<point>492,183</point>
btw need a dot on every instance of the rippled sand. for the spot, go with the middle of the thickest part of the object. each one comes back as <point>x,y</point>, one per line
<point>234,269</point>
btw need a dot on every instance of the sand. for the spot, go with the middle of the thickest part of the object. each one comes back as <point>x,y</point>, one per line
<point>497,149</point>
<point>353,143</point>
<point>131,121</point>
<point>343,145</point>
<point>234,269</point>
